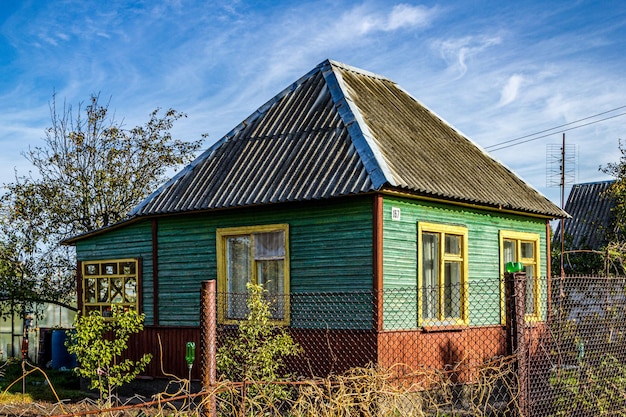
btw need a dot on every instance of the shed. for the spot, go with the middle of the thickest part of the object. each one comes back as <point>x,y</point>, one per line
<point>591,218</point>
<point>587,232</point>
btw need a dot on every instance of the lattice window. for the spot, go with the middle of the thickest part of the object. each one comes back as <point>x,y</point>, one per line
<point>110,282</point>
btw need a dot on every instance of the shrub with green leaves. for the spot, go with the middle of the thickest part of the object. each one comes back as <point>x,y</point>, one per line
<point>256,354</point>
<point>98,344</point>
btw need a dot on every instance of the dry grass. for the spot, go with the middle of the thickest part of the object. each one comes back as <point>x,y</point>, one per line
<point>361,392</point>
<point>423,392</point>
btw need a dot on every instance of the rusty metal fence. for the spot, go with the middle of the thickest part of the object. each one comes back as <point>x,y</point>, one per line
<point>514,346</point>
<point>436,350</point>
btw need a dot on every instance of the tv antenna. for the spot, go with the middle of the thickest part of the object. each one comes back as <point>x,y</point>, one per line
<point>561,171</point>
<point>561,163</point>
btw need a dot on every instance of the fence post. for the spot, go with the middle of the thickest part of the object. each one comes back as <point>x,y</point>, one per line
<point>208,342</point>
<point>515,294</point>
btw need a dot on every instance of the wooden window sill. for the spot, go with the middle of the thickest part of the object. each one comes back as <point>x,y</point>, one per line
<point>445,328</point>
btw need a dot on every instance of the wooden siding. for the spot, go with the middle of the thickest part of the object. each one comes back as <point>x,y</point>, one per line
<point>330,248</point>
<point>400,255</point>
<point>324,351</point>
<point>328,352</point>
<point>167,346</point>
<point>186,258</point>
<point>134,241</point>
<point>331,352</point>
<point>350,310</point>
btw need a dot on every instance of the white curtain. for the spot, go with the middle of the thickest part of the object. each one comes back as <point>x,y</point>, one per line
<point>509,251</point>
<point>269,254</point>
<point>269,245</point>
<point>238,271</point>
<point>430,275</point>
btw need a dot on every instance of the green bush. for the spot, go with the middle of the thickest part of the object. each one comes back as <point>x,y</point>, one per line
<point>255,356</point>
<point>98,344</point>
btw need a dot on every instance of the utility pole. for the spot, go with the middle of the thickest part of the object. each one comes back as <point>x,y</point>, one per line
<point>562,204</point>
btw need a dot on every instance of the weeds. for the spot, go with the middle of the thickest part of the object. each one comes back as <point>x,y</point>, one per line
<point>365,392</point>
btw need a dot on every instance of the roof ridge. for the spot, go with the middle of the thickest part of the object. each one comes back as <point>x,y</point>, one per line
<point>357,70</point>
<point>385,139</point>
<point>472,141</point>
<point>360,135</point>
<point>594,182</point>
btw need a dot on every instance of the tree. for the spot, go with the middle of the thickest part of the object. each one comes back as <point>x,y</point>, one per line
<point>617,191</point>
<point>30,273</point>
<point>89,173</point>
<point>616,249</point>
<point>577,261</point>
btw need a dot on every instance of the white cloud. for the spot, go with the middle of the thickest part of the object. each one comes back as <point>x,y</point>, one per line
<point>510,90</point>
<point>457,52</point>
<point>495,75</point>
<point>339,32</point>
<point>407,16</point>
<point>48,39</point>
<point>401,16</point>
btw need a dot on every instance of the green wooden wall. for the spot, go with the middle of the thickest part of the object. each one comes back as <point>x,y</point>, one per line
<point>400,256</point>
<point>330,251</point>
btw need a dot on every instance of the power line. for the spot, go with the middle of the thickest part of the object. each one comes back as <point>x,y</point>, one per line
<point>499,146</point>
<point>552,133</point>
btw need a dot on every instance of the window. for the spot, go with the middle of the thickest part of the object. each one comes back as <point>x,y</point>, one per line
<point>524,247</point>
<point>108,283</point>
<point>258,254</point>
<point>442,274</point>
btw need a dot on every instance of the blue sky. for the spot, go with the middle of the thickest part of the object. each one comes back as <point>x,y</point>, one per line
<point>495,70</point>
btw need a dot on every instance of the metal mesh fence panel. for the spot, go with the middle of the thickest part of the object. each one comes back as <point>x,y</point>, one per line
<point>520,346</point>
<point>577,358</point>
<point>453,348</point>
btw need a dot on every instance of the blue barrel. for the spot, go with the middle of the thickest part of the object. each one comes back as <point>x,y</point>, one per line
<point>61,358</point>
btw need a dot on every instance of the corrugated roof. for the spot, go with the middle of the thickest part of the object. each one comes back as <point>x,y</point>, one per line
<point>590,209</point>
<point>337,131</point>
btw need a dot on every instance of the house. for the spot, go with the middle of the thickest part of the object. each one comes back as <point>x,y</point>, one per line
<point>342,184</point>
<point>588,229</point>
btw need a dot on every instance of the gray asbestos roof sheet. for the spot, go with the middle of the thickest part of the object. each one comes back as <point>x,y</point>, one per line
<point>338,131</point>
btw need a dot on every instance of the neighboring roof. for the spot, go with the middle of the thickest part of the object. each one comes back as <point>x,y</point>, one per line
<point>339,131</point>
<point>590,211</point>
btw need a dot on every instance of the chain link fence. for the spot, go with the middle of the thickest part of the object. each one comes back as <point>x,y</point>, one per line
<point>521,346</point>
<point>514,347</point>
<point>450,356</point>
<point>577,358</point>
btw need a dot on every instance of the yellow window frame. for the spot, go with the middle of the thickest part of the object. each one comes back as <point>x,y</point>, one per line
<point>222,285</point>
<point>519,238</point>
<point>109,270</point>
<point>444,229</point>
